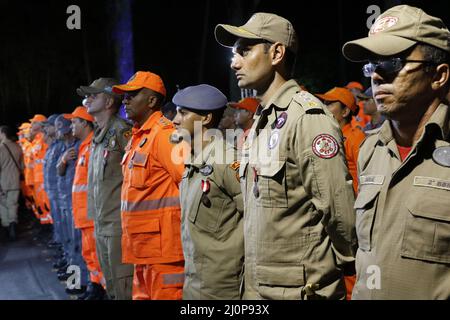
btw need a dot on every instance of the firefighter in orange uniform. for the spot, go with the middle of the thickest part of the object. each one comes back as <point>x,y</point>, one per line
<point>83,129</point>
<point>150,196</point>
<point>26,184</point>
<point>38,150</point>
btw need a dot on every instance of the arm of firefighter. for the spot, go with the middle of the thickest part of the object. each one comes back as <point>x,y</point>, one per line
<point>326,179</point>
<point>165,156</point>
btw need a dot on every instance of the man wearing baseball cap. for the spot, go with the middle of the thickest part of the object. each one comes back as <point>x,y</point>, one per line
<point>341,103</point>
<point>299,221</point>
<point>111,135</point>
<point>211,199</point>
<point>83,129</point>
<point>243,117</point>
<point>150,196</point>
<point>403,221</point>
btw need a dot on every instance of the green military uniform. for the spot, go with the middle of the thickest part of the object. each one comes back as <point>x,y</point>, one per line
<point>403,215</point>
<point>212,224</point>
<point>299,220</point>
<point>105,182</point>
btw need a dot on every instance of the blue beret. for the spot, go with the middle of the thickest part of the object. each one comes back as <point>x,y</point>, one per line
<point>51,120</point>
<point>202,98</point>
<point>63,125</point>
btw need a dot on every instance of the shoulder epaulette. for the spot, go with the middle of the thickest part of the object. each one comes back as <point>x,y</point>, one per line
<point>309,103</point>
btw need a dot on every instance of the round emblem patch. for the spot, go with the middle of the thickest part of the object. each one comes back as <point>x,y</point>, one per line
<point>274,138</point>
<point>325,146</point>
<point>281,120</point>
<point>442,156</point>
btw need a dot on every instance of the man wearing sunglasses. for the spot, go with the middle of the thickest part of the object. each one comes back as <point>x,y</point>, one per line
<point>403,215</point>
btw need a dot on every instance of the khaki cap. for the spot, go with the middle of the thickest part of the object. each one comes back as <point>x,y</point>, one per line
<point>264,26</point>
<point>397,30</point>
<point>101,85</point>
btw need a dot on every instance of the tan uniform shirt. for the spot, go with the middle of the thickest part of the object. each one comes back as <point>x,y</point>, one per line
<point>212,224</point>
<point>105,176</point>
<point>403,216</point>
<point>298,220</point>
<point>9,173</point>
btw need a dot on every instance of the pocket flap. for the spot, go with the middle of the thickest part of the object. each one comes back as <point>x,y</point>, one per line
<point>429,203</point>
<point>272,168</point>
<point>140,159</point>
<point>367,193</point>
<point>143,226</point>
<point>281,275</point>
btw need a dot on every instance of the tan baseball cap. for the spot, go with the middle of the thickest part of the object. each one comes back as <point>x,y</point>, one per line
<point>397,30</point>
<point>264,26</point>
<point>98,86</point>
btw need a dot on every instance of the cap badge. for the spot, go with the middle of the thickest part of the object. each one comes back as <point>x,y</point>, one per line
<point>442,156</point>
<point>383,24</point>
<point>325,146</point>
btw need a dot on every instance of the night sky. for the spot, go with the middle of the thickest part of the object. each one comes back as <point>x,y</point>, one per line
<point>42,62</point>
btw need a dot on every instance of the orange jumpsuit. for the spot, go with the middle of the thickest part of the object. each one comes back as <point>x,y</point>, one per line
<point>28,175</point>
<point>80,218</point>
<point>40,196</point>
<point>151,212</point>
<point>353,137</point>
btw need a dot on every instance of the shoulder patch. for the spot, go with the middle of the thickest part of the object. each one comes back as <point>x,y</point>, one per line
<point>325,146</point>
<point>309,103</point>
<point>235,165</point>
<point>165,123</point>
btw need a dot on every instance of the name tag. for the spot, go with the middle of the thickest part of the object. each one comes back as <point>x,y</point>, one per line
<point>432,183</point>
<point>372,179</point>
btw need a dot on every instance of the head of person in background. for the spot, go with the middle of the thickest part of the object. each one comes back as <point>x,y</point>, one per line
<point>227,121</point>
<point>63,128</point>
<point>370,109</point>
<point>82,122</point>
<point>245,110</point>
<point>7,133</point>
<point>36,124</point>
<point>49,128</point>
<point>169,110</point>
<point>143,94</point>
<point>203,104</point>
<point>355,88</point>
<point>341,103</point>
<point>100,100</point>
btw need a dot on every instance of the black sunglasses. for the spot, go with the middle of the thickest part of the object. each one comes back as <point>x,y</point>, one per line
<point>389,66</point>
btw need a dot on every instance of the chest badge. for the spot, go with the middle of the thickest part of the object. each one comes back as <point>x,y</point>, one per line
<point>274,139</point>
<point>143,142</point>
<point>442,156</point>
<point>206,170</point>
<point>281,120</point>
<point>325,146</point>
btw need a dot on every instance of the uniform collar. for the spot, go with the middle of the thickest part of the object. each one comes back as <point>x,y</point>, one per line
<point>101,133</point>
<point>148,125</point>
<point>440,119</point>
<point>283,96</point>
<point>206,155</point>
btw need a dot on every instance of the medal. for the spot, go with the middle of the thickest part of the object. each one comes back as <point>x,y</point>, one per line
<point>205,200</point>
<point>205,186</point>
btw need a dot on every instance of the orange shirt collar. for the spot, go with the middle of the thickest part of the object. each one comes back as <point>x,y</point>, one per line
<point>148,125</point>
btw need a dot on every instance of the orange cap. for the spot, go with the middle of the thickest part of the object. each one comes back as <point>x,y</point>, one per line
<point>25,125</point>
<point>79,112</point>
<point>249,104</point>
<point>142,79</point>
<point>38,118</point>
<point>342,95</point>
<point>354,85</point>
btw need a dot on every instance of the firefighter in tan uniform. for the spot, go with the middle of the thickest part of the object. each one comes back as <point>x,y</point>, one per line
<point>211,199</point>
<point>298,220</point>
<point>403,204</point>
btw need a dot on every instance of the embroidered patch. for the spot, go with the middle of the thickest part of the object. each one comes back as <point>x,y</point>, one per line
<point>281,120</point>
<point>325,146</point>
<point>432,183</point>
<point>235,165</point>
<point>372,179</point>
<point>206,170</point>
<point>274,139</point>
<point>383,24</point>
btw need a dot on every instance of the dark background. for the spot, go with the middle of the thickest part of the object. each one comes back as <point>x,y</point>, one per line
<point>42,62</point>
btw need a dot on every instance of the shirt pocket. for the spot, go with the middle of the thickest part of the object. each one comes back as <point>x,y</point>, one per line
<point>365,206</point>
<point>145,237</point>
<point>280,281</point>
<point>271,184</point>
<point>139,171</point>
<point>427,228</point>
